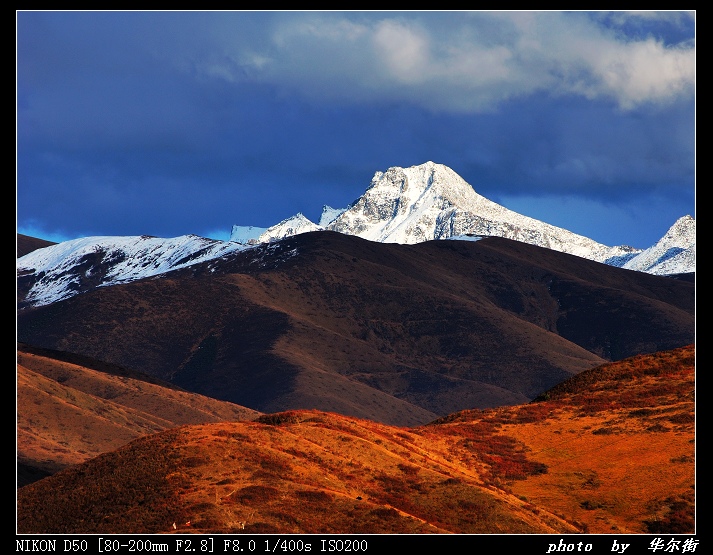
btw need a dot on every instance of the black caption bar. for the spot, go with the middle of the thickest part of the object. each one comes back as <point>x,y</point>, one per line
<point>358,544</point>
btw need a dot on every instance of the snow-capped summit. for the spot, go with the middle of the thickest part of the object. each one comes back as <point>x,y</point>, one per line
<point>674,253</point>
<point>291,226</point>
<point>401,205</point>
<point>329,214</point>
<point>431,201</point>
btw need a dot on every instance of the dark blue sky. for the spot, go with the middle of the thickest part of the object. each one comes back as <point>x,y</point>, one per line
<point>168,123</point>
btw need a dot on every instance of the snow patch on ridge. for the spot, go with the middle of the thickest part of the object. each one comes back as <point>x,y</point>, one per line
<point>674,253</point>
<point>329,214</point>
<point>286,228</point>
<point>246,234</point>
<point>61,269</point>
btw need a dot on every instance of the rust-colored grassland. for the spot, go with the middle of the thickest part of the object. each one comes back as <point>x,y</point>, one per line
<point>611,450</point>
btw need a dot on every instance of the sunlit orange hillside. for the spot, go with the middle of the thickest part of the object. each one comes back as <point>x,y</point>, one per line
<point>71,408</point>
<point>618,442</point>
<point>610,450</point>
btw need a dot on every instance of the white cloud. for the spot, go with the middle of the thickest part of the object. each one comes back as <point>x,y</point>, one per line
<point>468,61</point>
<point>646,71</point>
<point>404,50</point>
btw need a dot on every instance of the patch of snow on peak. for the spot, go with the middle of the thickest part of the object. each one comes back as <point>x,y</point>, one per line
<point>62,270</point>
<point>246,234</point>
<point>329,214</point>
<point>291,226</point>
<point>674,253</point>
<point>465,238</point>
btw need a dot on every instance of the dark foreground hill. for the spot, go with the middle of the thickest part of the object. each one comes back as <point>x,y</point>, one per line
<point>608,451</point>
<point>401,334</point>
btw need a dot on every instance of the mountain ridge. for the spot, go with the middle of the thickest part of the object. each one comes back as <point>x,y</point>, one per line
<point>431,201</point>
<point>401,333</point>
<point>404,206</point>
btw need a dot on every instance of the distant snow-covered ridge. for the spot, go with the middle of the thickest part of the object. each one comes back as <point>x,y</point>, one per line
<point>431,201</point>
<point>674,253</point>
<point>65,269</point>
<point>286,228</point>
<point>407,206</point>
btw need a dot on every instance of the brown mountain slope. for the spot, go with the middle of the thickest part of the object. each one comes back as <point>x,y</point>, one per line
<point>610,452</point>
<point>68,413</point>
<point>27,244</point>
<point>401,334</point>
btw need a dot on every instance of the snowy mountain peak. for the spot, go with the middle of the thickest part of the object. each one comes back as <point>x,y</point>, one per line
<point>401,205</point>
<point>406,205</point>
<point>674,253</point>
<point>681,234</point>
<point>437,182</point>
<point>431,201</point>
<point>246,234</point>
<point>293,225</point>
<point>329,214</point>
